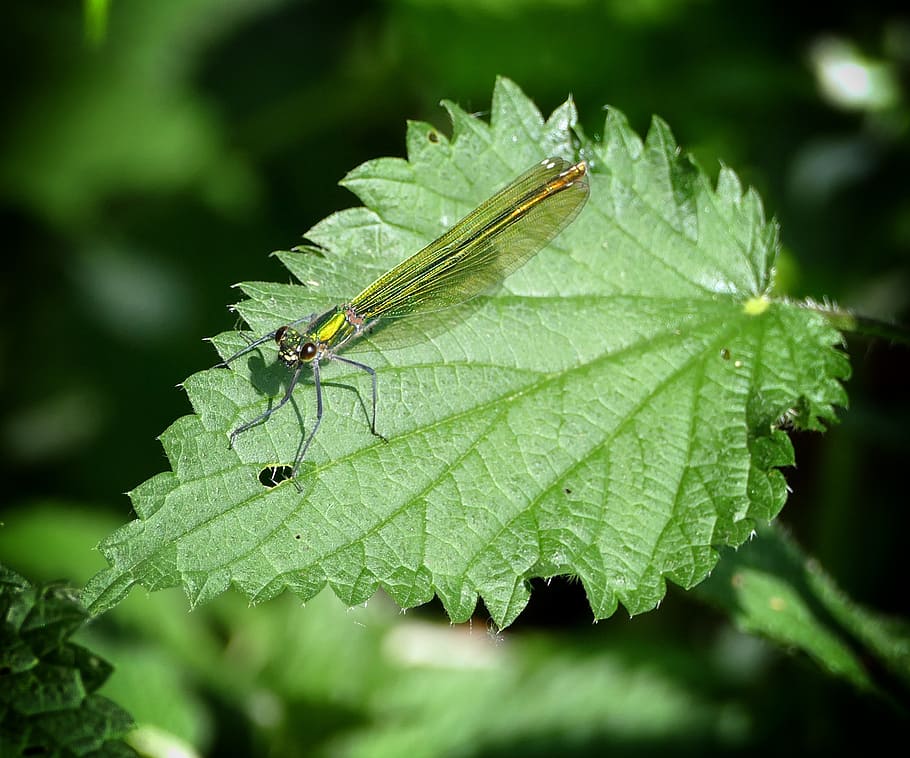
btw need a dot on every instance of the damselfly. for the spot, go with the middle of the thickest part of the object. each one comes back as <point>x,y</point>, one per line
<point>472,257</point>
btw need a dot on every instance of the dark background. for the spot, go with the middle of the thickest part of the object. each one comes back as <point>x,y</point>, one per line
<point>147,169</point>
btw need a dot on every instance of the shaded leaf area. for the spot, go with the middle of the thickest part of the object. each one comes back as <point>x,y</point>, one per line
<point>49,701</point>
<point>770,587</point>
<point>614,412</point>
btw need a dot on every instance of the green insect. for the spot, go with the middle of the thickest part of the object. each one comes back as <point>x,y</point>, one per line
<point>474,256</point>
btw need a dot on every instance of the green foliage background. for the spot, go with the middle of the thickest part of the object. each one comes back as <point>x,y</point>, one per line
<point>153,159</point>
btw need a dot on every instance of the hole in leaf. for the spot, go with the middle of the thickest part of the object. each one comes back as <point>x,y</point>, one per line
<point>433,136</point>
<point>272,476</point>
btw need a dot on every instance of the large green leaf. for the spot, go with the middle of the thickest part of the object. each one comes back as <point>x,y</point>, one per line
<point>614,412</point>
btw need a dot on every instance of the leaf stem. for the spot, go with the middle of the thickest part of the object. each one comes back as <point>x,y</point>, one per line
<point>845,321</point>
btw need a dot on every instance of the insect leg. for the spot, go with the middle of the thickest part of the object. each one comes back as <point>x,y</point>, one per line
<point>249,348</point>
<point>309,439</point>
<point>372,372</point>
<point>263,416</point>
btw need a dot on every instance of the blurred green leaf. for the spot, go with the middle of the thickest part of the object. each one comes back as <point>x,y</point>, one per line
<point>614,413</point>
<point>770,588</point>
<point>51,540</point>
<point>126,118</point>
<point>96,15</point>
<point>470,694</point>
<point>48,704</point>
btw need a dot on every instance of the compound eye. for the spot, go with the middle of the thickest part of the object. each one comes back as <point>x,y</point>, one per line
<point>308,351</point>
<point>280,332</point>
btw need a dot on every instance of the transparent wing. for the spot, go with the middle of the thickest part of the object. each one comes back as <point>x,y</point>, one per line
<point>484,247</point>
